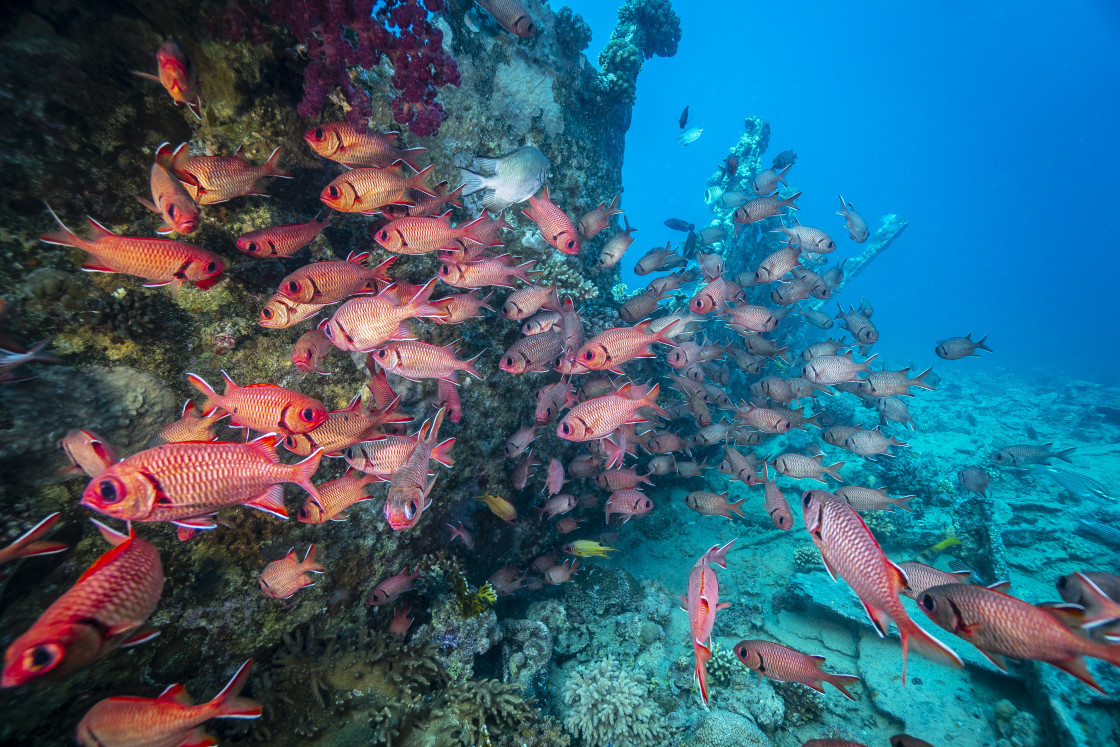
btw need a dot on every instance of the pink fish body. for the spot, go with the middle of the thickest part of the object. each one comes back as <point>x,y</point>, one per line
<point>282,578</point>
<point>702,604</point>
<point>388,590</point>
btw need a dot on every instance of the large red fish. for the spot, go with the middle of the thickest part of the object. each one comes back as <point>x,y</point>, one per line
<point>343,428</point>
<point>365,323</point>
<point>171,720</point>
<point>214,179</point>
<point>777,662</point>
<point>850,551</point>
<point>702,604</point>
<point>187,483</point>
<point>554,224</point>
<point>281,241</point>
<point>601,416</point>
<point>159,261</point>
<point>352,146</point>
<point>177,76</point>
<point>335,279</point>
<point>368,190</point>
<point>611,348</point>
<point>104,610</point>
<point>410,488</point>
<point>263,407</point>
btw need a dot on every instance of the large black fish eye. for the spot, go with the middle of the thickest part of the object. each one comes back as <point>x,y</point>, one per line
<point>806,497</point>
<point>267,313</point>
<point>171,211</point>
<point>383,235</point>
<point>566,428</point>
<point>308,414</point>
<point>290,442</point>
<point>333,192</point>
<point>928,603</point>
<point>253,247</point>
<point>318,134</point>
<point>410,509</point>
<point>293,286</point>
<point>41,656</point>
<point>509,361</point>
<point>108,491</point>
<point>571,243</point>
<point>1063,581</point>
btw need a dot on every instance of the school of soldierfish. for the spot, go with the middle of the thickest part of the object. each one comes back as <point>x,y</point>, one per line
<point>186,475</point>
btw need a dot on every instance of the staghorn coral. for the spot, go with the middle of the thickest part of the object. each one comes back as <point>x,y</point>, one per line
<point>473,713</point>
<point>608,706</point>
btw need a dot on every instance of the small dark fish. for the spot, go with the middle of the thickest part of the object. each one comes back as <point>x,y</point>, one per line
<point>783,159</point>
<point>729,167</point>
<point>689,250</point>
<point>679,225</point>
<point>974,480</point>
<point>1031,432</point>
<point>684,118</point>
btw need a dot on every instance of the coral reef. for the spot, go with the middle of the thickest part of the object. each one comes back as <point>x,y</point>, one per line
<point>723,667</point>
<point>573,34</point>
<point>720,728</point>
<point>645,28</point>
<point>607,705</point>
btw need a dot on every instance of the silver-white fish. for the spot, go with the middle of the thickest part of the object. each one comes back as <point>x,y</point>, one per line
<point>509,179</point>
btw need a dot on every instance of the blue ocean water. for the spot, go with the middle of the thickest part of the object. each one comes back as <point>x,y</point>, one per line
<point>991,127</point>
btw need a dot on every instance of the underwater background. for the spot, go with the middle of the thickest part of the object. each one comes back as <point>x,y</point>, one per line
<point>537,599</point>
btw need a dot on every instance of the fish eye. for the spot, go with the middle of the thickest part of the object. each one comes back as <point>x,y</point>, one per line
<point>588,356</point>
<point>410,509</point>
<point>509,361</point>
<point>290,442</point>
<point>171,211</point>
<point>1062,582</point>
<point>566,428</point>
<point>253,247</point>
<point>293,286</point>
<point>928,603</point>
<point>383,235</point>
<point>781,521</point>
<point>267,313</point>
<point>108,491</point>
<point>308,415</point>
<point>211,266</point>
<point>329,332</point>
<point>806,497</point>
<point>333,191</point>
<point>318,134</point>
<point>571,243</point>
<point>43,657</point>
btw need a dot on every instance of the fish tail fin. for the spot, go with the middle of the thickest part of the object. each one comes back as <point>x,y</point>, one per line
<point>1099,608</point>
<point>843,206</point>
<point>304,469</point>
<point>982,343</point>
<point>29,544</point>
<point>468,366</point>
<point>206,390</point>
<point>420,181</point>
<point>272,165</point>
<point>472,182</point>
<point>834,471</point>
<point>789,201</point>
<point>1064,454</point>
<point>64,236</point>
<point>442,453</point>
<point>737,507</point>
<point>903,502</point>
<point>229,704</point>
<point>454,197</point>
<point>841,681</point>
<point>919,380</point>
<point>409,156</point>
<point>309,563</point>
<point>703,656</point>
<point>928,646</point>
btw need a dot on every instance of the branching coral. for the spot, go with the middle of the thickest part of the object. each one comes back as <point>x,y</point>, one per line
<point>471,714</point>
<point>608,706</point>
<point>723,667</point>
<point>573,34</point>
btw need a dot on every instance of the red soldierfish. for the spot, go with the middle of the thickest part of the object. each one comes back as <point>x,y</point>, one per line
<point>368,190</point>
<point>598,218</point>
<point>422,235</point>
<point>335,496</point>
<point>850,551</point>
<point>512,15</point>
<point>410,489</point>
<point>176,74</point>
<point>611,348</point>
<point>187,483</point>
<point>309,351</point>
<point>281,241</point>
<point>333,280</point>
<point>170,720</point>
<point>159,261</point>
<point>777,662</point>
<point>498,271</point>
<point>213,179</point>
<point>30,544</point>
<point>171,200</point>
<point>388,590</point>
<point>554,224</point>
<point>1001,625</point>
<point>702,604</point>
<point>352,146</point>
<point>365,323</point>
<point>599,417</point>
<point>104,610</point>
<point>191,426</point>
<point>263,407</point>
<point>282,578</point>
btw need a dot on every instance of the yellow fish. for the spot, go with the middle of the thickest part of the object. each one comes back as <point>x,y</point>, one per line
<point>930,554</point>
<point>500,507</point>
<point>587,549</point>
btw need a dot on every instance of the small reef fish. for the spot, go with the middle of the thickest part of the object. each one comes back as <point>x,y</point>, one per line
<point>777,662</point>
<point>460,533</point>
<point>499,271</point>
<point>559,504</point>
<point>555,479</point>
<point>499,506</point>
<point>974,480</point>
<point>511,15</point>
<point>401,622</point>
<point>366,323</point>
<point>860,326</point>
<point>423,235</point>
<point>611,348</point>
<point>999,625</point>
<point>88,453</point>
<point>776,504</point>
<point>169,720</point>
<point>587,549</point>
<point>12,359</point>
<point>760,208</point>
<point>31,544</point>
<point>520,440</point>
<point>508,179</point>
<point>713,504</point>
<point>519,477</point>
<point>553,398</point>
<point>282,578</point>
<point>415,360</point>
<point>177,76</point>
<point>930,554</point>
<point>1079,485</point>
<point>356,146</point>
<point>616,246</point>
<point>281,241</point>
<point>309,351</point>
<point>333,280</point>
<point>679,225</point>
<point>808,239</point>
<point>729,167</point>
<point>343,428</point>
<point>192,425</point>
<point>559,574</point>
<point>870,442</point>
<point>894,383</point>
<point>765,182</point>
<point>263,407</point>
<point>187,483</point>
<point>104,610</point>
<point>553,223</point>
<point>335,496</point>
<point>1022,455</point>
<point>622,479</point>
<point>282,312</point>
<point>384,455</point>
<point>462,307</point>
<point>171,200</point>
<point>389,590</point>
<point>627,503</point>
<point>955,348</point>
<point>599,417</point>
<point>683,119</point>
<point>598,218</point>
<point>785,158</point>
<point>870,499</point>
<point>529,300</point>
<point>368,190</point>
<point>213,179</point>
<point>850,551</point>
<point>159,261</point>
<point>532,354</point>
<point>834,369</point>
<point>702,603</point>
<point>410,487</point>
<point>857,226</point>
<point>691,135</point>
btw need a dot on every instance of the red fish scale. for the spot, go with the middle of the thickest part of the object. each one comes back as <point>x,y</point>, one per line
<point>374,187</point>
<point>344,143</point>
<point>329,281</point>
<point>265,407</point>
<point>336,496</point>
<point>554,224</point>
<point>383,457</point>
<point>341,429</point>
<point>419,360</point>
<point>157,260</point>
<point>922,577</point>
<point>418,235</point>
<point>223,177</point>
<point>201,478</point>
<point>190,427</point>
<point>282,241</point>
<point>785,664</point>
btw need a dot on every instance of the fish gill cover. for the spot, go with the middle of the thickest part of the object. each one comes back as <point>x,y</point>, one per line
<point>529,505</point>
